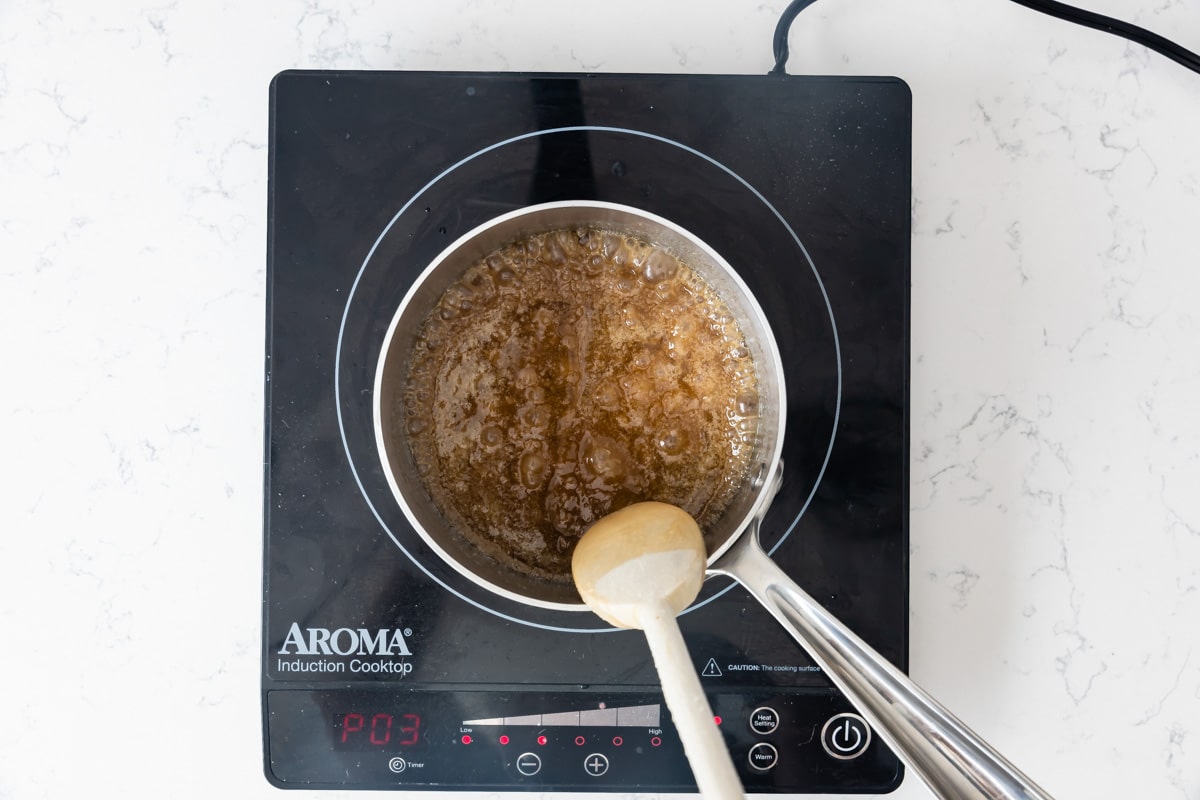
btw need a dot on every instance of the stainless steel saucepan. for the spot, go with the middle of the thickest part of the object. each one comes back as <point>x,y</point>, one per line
<point>951,759</point>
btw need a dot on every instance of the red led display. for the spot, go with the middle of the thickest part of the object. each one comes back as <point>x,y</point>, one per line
<point>378,730</point>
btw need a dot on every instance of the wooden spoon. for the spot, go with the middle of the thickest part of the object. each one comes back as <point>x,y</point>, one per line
<point>638,568</point>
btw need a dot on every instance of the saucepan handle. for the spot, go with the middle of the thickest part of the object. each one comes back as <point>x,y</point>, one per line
<point>948,756</point>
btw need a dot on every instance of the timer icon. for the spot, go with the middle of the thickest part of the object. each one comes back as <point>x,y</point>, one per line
<point>397,764</point>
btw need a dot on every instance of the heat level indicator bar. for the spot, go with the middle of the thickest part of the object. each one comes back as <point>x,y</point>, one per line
<point>620,717</point>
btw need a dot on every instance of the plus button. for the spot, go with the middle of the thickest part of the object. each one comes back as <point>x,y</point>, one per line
<point>596,764</point>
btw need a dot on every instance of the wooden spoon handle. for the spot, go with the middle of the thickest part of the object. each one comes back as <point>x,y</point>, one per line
<point>693,717</point>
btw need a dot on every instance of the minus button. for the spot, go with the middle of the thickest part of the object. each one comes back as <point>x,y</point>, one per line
<point>529,764</point>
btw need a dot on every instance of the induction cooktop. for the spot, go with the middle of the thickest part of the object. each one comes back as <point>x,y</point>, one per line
<point>384,668</point>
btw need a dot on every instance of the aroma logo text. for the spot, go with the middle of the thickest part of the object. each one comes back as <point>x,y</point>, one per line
<point>344,642</point>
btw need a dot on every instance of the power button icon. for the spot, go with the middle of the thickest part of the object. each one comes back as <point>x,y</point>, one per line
<point>845,736</point>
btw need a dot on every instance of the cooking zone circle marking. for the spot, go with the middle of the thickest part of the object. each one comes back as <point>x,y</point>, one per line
<point>442,175</point>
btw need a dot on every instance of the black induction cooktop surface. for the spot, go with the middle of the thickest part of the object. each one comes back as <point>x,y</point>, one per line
<point>376,654</point>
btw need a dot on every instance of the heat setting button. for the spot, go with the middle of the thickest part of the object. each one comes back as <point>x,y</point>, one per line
<point>763,757</point>
<point>845,736</point>
<point>764,720</point>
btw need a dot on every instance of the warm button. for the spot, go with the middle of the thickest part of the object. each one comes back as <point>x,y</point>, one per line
<point>845,736</point>
<point>764,720</point>
<point>763,756</point>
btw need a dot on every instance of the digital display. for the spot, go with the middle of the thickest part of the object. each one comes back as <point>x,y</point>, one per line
<point>375,730</point>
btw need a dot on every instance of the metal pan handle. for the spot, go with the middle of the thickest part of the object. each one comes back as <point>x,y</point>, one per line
<point>948,756</point>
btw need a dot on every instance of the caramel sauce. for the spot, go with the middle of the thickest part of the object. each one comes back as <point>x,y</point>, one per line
<point>568,375</point>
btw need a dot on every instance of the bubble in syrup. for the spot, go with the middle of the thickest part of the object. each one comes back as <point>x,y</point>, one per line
<point>482,285</point>
<point>672,442</point>
<point>607,396</point>
<point>603,458</point>
<point>554,252</point>
<point>535,418</point>
<point>532,470</point>
<point>637,390</point>
<point>491,437</point>
<point>660,266</point>
<point>610,244</point>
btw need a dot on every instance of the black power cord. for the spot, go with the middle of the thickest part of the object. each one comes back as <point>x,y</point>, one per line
<point>780,41</point>
<point>1063,11</point>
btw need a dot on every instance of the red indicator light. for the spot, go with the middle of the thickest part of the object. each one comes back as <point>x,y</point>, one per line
<point>655,742</point>
<point>466,739</point>
<point>618,741</point>
<point>717,720</point>
<point>541,740</point>
<point>579,740</point>
<point>503,740</point>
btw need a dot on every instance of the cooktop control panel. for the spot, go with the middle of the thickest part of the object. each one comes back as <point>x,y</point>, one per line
<point>537,741</point>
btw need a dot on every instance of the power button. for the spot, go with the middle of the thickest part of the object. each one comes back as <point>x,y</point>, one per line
<point>845,736</point>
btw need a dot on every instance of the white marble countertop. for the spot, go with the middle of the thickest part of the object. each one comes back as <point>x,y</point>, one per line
<point>1055,374</point>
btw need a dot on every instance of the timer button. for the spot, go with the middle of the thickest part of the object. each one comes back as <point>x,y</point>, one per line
<point>764,720</point>
<point>397,765</point>
<point>529,764</point>
<point>845,736</point>
<point>763,756</point>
